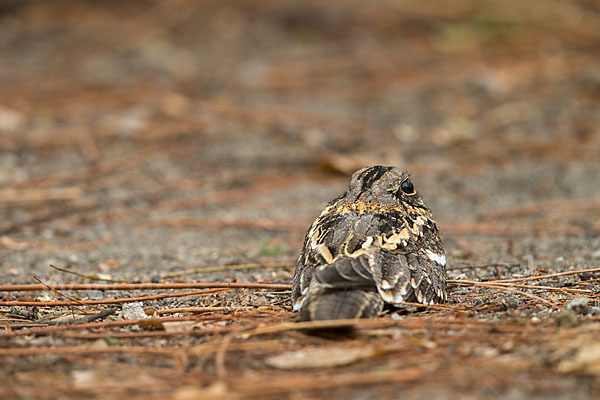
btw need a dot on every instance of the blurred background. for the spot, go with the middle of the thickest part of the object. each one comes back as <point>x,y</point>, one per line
<point>143,137</point>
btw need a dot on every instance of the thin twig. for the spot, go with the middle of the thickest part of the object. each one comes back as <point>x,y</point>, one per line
<point>203,309</point>
<point>313,381</point>
<point>91,325</point>
<point>228,268</point>
<point>504,265</point>
<point>220,355</point>
<point>73,302</point>
<point>142,286</point>
<point>149,334</point>
<point>541,207</point>
<point>440,307</point>
<point>83,350</point>
<point>503,283</point>
<point>108,301</point>
<point>90,318</point>
<point>289,224</point>
<point>539,277</point>
<point>508,288</point>
<point>81,173</point>
<point>90,277</point>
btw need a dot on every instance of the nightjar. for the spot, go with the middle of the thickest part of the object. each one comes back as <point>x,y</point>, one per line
<point>376,243</point>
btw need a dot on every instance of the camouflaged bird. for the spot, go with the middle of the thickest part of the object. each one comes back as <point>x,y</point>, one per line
<point>376,243</point>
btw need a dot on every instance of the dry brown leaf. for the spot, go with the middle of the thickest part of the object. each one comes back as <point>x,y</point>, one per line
<point>216,390</point>
<point>151,311</point>
<point>321,357</point>
<point>180,326</point>
<point>109,264</point>
<point>586,359</point>
<point>152,324</point>
<point>12,244</point>
<point>344,164</point>
<point>101,277</point>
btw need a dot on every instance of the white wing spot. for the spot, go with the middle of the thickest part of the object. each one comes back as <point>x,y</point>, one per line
<point>438,258</point>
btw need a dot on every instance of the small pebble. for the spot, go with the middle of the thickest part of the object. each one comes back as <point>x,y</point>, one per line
<point>566,318</point>
<point>510,303</point>
<point>95,295</point>
<point>133,311</point>
<point>579,305</point>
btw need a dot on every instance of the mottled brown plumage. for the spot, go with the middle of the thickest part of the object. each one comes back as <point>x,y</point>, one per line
<point>376,243</point>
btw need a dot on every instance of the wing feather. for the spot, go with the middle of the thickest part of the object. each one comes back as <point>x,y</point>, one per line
<point>408,278</point>
<point>346,272</point>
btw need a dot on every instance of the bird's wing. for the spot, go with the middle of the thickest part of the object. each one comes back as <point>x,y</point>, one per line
<point>398,277</point>
<point>418,277</point>
<point>335,249</point>
<point>403,262</point>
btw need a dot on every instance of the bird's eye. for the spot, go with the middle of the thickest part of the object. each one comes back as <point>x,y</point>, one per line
<point>407,187</point>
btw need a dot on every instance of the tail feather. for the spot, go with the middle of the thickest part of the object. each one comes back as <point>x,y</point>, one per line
<point>344,289</point>
<point>346,273</point>
<point>325,304</point>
